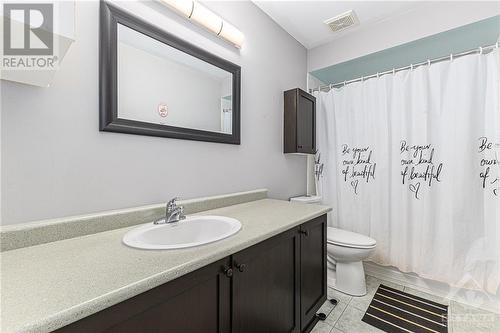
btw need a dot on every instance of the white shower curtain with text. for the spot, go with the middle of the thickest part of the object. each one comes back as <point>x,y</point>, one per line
<point>412,160</point>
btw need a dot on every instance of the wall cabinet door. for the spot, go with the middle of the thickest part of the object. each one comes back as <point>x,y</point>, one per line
<point>312,270</point>
<point>196,303</point>
<point>306,123</point>
<point>266,286</point>
<point>299,122</point>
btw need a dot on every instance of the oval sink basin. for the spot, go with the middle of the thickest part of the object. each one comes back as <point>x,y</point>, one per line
<point>193,231</point>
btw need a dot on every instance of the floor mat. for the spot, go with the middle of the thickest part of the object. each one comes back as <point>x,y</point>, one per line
<point>394,311</point>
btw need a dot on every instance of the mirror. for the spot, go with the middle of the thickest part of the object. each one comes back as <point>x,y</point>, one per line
<point>153,83</point>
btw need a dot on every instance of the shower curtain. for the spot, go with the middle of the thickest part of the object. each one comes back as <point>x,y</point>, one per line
<point>412,160</point>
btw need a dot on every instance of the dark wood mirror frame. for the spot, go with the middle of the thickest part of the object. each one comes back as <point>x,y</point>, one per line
<point>110,17</point>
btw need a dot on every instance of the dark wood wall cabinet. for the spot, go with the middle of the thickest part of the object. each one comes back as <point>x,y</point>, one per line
<point>299,122</point>
<point>275,286</point>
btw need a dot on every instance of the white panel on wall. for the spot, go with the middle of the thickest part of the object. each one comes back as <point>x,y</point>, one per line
<point>63,34</point>
<point>55,162</point>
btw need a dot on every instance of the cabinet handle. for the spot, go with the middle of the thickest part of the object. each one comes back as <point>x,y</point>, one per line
<point>304,232</point>
<point>299,146</point>
<point>241,267</point>
<point>228,271</point>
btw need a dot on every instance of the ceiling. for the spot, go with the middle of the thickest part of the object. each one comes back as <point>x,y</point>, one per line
<point>304,19</point>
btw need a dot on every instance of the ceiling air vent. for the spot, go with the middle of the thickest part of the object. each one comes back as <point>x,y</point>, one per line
<point>342,21</point>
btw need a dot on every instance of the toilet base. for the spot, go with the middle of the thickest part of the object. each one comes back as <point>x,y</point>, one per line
<point>348,278</point>
<point>331,279</point>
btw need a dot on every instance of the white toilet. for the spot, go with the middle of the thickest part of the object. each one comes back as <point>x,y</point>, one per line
<point>346,251</point>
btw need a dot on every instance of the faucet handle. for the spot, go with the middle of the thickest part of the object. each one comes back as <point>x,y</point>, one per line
<point>172,202</point>
<point>174,199</point>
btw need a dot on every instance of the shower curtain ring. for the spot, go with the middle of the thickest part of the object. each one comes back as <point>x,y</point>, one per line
<point>496,45</point>
<point>393,71</point>
<point>480,50</point>
<point>344,83</point>
<point>411,67</point>
<point>428,62</point>
<point>451,56</point>
<point>330,86</point>
<point>377,75</point>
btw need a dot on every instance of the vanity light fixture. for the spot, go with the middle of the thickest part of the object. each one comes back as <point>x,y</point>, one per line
<point>203,16</point>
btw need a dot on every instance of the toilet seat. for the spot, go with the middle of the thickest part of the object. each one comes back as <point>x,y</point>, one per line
<point>349,239</point>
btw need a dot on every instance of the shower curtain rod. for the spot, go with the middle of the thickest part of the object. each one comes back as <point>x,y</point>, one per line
<point>480,50</point>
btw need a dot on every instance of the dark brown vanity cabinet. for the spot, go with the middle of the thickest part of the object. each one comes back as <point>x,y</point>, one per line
<point>266,293</point>
<point>299,122</point>
<point>275,286</point>
<point>312,270</point>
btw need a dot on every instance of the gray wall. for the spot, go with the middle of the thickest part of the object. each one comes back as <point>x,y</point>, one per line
<point>56,163</point>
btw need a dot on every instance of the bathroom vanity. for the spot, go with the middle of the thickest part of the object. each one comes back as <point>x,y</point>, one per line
<point>268,277</point>
<point>274,286</point>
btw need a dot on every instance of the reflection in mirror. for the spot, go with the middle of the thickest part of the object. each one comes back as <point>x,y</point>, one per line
<point>159,84</point>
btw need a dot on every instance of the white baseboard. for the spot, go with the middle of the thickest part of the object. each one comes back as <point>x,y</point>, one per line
<point>477,299</point>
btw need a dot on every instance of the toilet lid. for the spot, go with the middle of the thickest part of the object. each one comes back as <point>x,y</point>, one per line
<point>348,238</point>
<point>307,199</point>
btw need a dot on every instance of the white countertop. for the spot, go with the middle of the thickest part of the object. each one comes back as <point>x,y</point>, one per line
<point>45,287</point>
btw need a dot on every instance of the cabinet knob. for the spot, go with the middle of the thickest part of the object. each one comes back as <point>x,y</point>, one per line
<point>241,267</point>
<point>228,271</point>
<point>304,232</point>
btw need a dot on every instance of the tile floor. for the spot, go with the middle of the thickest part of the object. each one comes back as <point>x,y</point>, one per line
<point>346,316</point>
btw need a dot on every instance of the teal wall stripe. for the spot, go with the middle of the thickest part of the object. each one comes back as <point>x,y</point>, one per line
<point>470,36</point>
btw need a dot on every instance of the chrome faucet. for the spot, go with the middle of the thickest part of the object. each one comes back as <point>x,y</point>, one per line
<point>173,213</point>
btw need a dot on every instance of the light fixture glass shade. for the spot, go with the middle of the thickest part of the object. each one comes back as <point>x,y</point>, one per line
<point>184,7</point>
<point>231,34</point>
<point>206,18</point>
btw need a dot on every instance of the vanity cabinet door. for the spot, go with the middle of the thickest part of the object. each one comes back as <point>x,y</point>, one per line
<point>198,302</point>
<point>266,296</point>
<point>313,287</point>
